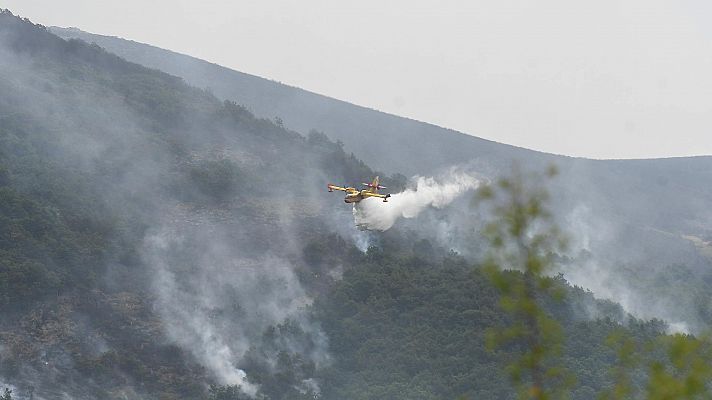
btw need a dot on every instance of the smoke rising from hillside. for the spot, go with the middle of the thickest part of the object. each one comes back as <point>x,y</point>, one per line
<point>216,298</point>
<point>372,214</point>
<point>216,273</point>
<point>622,264</point>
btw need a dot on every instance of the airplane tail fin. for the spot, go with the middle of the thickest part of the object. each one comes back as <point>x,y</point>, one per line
<point>374,186</point>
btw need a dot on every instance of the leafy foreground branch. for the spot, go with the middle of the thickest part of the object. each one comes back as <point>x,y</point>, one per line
<point>523,238</point>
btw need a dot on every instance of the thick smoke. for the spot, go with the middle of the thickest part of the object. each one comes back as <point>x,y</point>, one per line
<point>640,269</point>
<point>371,214</point>
<point>216,296</point>
<point>219,274</point>
<point>187,317</point>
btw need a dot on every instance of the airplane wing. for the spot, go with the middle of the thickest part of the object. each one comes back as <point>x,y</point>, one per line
<point>382,196</point>
<point>341,188</point>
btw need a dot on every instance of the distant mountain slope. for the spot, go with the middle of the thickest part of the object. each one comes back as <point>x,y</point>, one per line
<point>383,140</point>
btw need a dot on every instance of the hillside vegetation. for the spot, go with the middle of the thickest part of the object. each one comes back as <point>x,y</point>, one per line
<point>635,222</point>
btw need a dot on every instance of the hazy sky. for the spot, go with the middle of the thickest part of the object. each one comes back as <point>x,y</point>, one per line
<point>597,78</point>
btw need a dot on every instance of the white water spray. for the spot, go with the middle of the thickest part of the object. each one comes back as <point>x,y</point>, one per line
<point>372,214</point>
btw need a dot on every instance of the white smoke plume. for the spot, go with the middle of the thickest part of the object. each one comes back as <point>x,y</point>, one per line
<point>616,271</point>
<point>187,322</point>
<point>372,214</point>
<point>216,301</point>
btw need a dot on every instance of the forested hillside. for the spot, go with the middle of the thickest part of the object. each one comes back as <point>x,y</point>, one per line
<point>641,227</point>
<point>98,155</point>
<point>157,242</point>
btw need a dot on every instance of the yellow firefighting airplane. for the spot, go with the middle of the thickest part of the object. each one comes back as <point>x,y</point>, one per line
<point>354,195</point>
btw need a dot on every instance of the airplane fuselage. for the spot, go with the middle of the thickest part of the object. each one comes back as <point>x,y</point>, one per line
<point>353,198</point>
